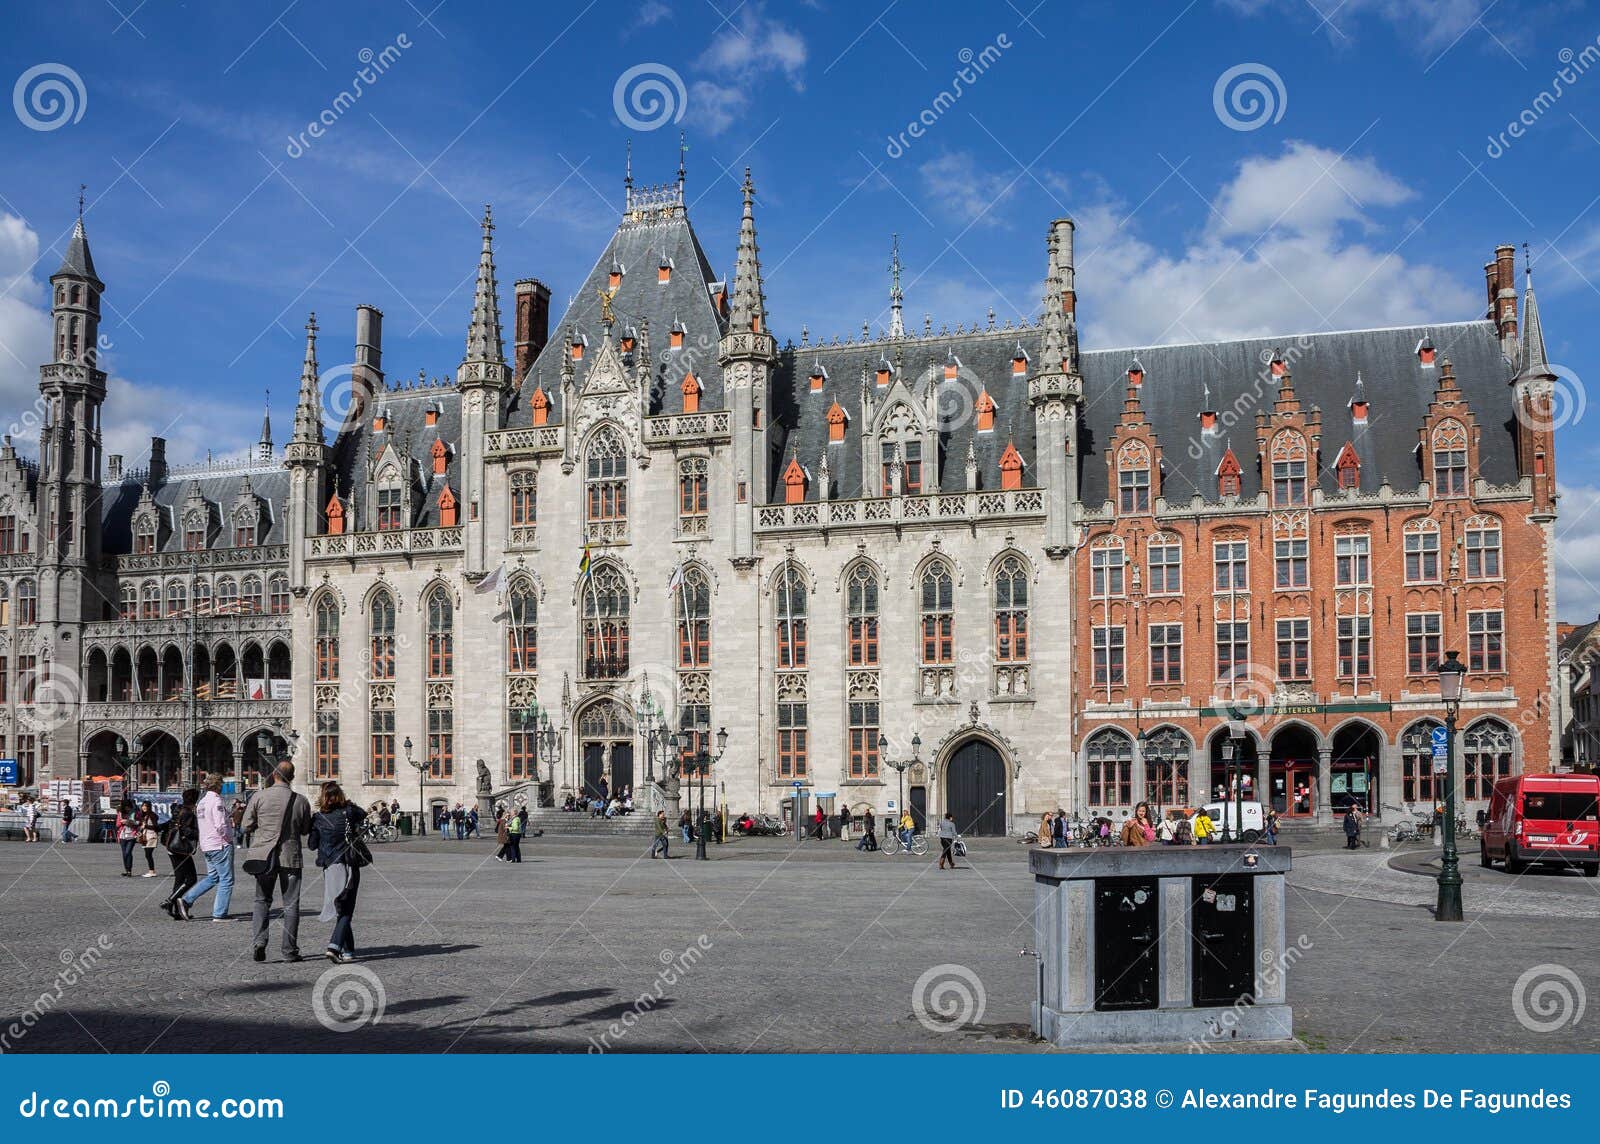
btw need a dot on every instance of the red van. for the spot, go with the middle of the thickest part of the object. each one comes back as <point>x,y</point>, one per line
<point>1548,819</point>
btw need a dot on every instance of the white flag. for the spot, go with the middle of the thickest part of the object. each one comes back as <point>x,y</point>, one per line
<point>676,580</point>
<point>493,582</point>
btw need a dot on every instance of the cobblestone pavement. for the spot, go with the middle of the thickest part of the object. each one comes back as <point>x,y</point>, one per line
<point>1406,878</point>
<point>768,947</point>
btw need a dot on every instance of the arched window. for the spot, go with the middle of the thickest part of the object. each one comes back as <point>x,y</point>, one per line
<point>278,595</point>
<point>1482,542</point>
<point>692,520</point>
<point>1486,756</point>
<point>150,600</point>
<point>790,610</point>
<point>1133,478</point>
<point>27,602</point>
<point>607,603</point>
<point>1418,783</point>
<point>1289,469</point>
<point>1422,551</point>
<point>441,634</point>
<point>1449,448</point>
<point>202,596</point>
<point>862,606</point>
<point>380,621</point>
<point>524,498</point>
<point>144,535</point>
<point>938,614</point>
<point>327,629</point>
<point>129,602</point>
<point>1011,611</point>
<point>227,595</point>
<point>606,487</point>
<point>1107,569</point>
<point>1109,754</point>
<point>1166,768</point>
<point>694,619</point>
<point>250,595</point>
<point>177,598</point>
<point>391,501</point>
<point>522,628</point>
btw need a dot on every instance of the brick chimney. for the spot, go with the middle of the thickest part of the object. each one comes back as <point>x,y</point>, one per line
<point>1505,274</point>
<point>114,467</point>
<point>158,460</point>
<point>533,324</point>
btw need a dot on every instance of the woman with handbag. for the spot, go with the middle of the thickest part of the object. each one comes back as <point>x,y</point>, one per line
<point>336,837</point>
<point>149,828</point>
<point>127,835</point>
<point>183,839</point>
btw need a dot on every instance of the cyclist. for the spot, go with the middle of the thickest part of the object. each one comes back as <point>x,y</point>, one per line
<point>907,826</point>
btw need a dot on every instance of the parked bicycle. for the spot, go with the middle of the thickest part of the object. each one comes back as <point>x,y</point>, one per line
<point>374,831</point>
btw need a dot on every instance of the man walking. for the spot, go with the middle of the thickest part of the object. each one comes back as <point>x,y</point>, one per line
<point>1352,829</point>
<point>658,848</point>
<point>947,840</point>
<point>66,820</point>
<point>514,837</point>
<point>276,820</point>
<point>216,842</point>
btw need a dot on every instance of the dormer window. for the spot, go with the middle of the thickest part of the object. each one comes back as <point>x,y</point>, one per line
<point>391,509</point>
<point>1450,460</point>
<point>378,422</point>
<point>1011,467</point>
<point>1426,353</point>
<point>144,536</point>
<point>1279,366</point>
<point>628,340</point>
<point>1136,373</point>
<point>540,403</point>
<point>335,513</point>
<point>1348,468</point>
<point>675,337</point>
<point>1229,476</point>
<point>578,345</point>
<point>794,482</point>
<point>1019,363</point>
<point>884,371</point>
<point>194,538</point>
<point>952,367</point>
<point>984,408</point>
<point>1289,470</point>
<point>447,508</point>
<point>664,270</point>
<point>244,534</point>
<point>691,393</point>
<point>430,418</point>
<point>836,422</point>
<point>439,454</point>
<point>614,279</point>
<point>818,377</point>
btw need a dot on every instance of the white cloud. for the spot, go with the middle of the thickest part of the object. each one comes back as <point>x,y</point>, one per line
<point>1435,24</point>
<point>742,56</point>
<point>1578,553</point>
<point>1246,278</point>
<point>956,186</point>
<point>193,423</point>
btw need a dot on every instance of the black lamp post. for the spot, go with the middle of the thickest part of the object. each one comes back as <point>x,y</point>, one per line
<point>901,766</point>
<point>548,742</point>
<point>1232,758</point>
<point>700,764</point>
<point>1448,909</point>
<point>422,771</point>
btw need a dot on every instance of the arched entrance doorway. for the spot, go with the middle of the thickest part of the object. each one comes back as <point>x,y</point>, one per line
<point>158,761</point>
<point>213,754</point>
<point>1354,772</point>
<point>1293,773</point>
<point>975,788</point>
<point>605,746</point>
<point>105,755</point>
<point>1242,767</point>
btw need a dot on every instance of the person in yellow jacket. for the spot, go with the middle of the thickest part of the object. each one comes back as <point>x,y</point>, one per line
<point>1204,828</point>
<point>907,825</point>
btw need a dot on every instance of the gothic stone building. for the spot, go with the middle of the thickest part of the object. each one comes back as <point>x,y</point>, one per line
<point>1030,576</point>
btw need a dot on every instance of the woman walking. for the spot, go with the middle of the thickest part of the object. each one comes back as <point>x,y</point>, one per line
<point>127,835</point>
<point>183,838</point>
<point>947,840</point>
<point>1047,831</point>
<point>335,830</point>
<point>149,828</point>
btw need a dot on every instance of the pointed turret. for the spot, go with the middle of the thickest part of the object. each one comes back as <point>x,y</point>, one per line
<point>264,446</point>
<point>483,335</point>
<point>311,510</point>
<point>1055,392</point>
<point>78,262</point>
<point>1534,392</point>
<point>1534,363</point>
<point>897,325</point>
<point>307,436</point>
<point>748,310</point>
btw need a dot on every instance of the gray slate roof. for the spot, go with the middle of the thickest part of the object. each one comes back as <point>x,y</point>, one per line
<point>269,482</point>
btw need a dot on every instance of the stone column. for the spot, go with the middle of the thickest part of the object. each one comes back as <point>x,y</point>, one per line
<point>1322,804</point>
<point>1176,950</point>
<point>1272,986</point>
<point>1138,773</point>
<point>238,768</point>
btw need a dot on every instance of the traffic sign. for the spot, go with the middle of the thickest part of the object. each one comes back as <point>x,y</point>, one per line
<point>8,772</point>
<point>1441,738</point>
<point>798,784</point>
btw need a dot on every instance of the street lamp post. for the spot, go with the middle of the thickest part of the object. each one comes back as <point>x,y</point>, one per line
<point>901,766</point>
<point>1233,760</point>
<point>422,771</point>
<point>1448,908</point>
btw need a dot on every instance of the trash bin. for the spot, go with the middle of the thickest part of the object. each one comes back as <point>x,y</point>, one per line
<point>1161,945</point>
<point>405,825</point>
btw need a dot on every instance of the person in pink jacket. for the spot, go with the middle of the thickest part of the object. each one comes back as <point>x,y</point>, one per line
<point>216,842</point>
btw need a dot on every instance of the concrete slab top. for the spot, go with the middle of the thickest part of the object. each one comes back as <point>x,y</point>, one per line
<point>1082,864</point>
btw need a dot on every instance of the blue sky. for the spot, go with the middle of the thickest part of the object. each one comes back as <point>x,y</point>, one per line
<point>1367,189</point>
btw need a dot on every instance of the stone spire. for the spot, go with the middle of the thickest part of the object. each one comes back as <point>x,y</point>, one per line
<point>78,263</point>
<point>264,448</point>
<point>1060,347</point>
<point>749,308</point>
<point>1534,363</point>
<point>308,408</point>
<point>483,335</point>
<point>897,325</point>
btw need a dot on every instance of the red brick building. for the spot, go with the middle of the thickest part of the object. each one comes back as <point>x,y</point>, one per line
<point>1294,532</point>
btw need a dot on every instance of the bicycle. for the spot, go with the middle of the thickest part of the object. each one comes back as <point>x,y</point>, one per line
<point>1405,832</point>
<point>893,844</point>
<point>378,832</point>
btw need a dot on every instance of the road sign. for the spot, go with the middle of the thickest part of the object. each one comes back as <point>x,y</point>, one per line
<point>8,772</point>
<point>1441,739</point>
<point>798,784</point>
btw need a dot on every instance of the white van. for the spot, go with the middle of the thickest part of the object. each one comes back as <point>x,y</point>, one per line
<point>1225,815</point>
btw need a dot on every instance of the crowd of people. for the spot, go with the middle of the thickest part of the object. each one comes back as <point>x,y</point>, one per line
<point>600,801</point>
<point>1177,826</point>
